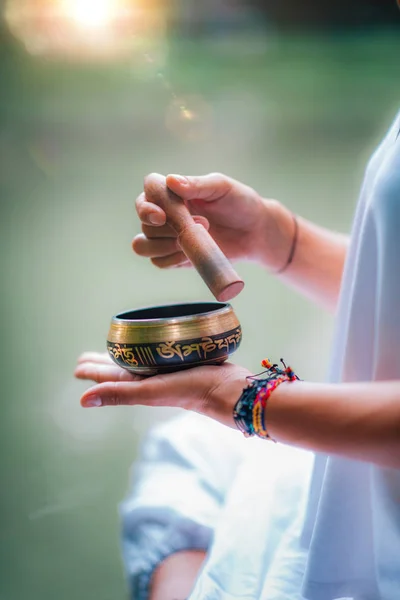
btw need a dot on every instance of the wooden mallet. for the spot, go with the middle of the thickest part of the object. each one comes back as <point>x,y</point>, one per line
<point>195,241</point>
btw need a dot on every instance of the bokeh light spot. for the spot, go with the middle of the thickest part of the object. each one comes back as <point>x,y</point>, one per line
<point>84,29</point>
<point>190,118</point>
<point>91,13</point>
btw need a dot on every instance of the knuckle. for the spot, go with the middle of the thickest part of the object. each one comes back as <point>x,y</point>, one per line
<point>113,398</point>
<point>140,199</point>
<point>139,204</point>
<point>195,182</point>
<point>146,178</point>
<point>148,181</point>
<point>142,214</point>
<point>143,210</point>
<point>225,182</point>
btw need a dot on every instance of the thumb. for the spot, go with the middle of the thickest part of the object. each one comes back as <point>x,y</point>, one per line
<point>204,187</point>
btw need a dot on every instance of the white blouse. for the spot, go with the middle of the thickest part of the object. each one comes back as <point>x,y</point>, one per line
<point>318,529</point>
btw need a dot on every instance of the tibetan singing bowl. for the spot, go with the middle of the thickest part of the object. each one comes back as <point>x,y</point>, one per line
<point>161,339</point>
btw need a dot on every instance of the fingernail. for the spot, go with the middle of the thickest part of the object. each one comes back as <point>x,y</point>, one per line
<point>180,179</point>
<point>91,402</point>
<point>156,219</point>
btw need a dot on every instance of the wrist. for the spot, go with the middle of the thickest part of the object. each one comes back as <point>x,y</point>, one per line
<point>281,413</point>
<point>275,236</point>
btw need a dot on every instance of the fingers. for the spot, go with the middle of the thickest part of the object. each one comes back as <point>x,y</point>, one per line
<point>149,213</point>
<point>102,372</point>
<point>178,259</point>
<point>161,245</point>
<point>158,240</point>
<point>206,187</point>
<point>210,390</point>
<point>164,252</point>
<point>154,247</point>
<point>96,357</point>
<point>147,204</point>
<point>181,389</point>
<point>153,219</point>
<point>154,391</point>
<point>165,231</point>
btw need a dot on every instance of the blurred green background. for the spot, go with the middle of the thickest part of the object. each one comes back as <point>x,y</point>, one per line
<point>293,114</point>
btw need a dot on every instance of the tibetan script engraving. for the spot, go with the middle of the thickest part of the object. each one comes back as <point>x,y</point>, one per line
<point>126,355</point>
<point>206,346</point>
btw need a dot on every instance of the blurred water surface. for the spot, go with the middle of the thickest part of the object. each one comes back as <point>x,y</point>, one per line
<point>295,117</point>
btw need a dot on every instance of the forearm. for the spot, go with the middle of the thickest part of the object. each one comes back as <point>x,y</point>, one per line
<point>356,420</point>
<point>317,266</point>
<point>175,577</point>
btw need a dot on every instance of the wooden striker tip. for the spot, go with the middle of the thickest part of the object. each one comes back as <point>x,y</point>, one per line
<point>197,244</point>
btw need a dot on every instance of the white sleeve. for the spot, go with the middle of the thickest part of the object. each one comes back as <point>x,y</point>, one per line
<point>179,484</point>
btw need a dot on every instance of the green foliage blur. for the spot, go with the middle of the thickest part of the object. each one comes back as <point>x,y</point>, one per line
<point>293,115</point>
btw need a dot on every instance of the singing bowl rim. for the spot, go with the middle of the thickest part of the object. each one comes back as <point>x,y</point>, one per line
<point>220,309</point>
<point>185,327</point>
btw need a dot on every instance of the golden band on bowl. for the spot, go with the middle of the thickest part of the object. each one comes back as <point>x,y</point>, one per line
<point>162,339</point>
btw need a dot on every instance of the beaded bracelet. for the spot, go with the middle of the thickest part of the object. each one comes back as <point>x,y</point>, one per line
<point>249,411</point>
